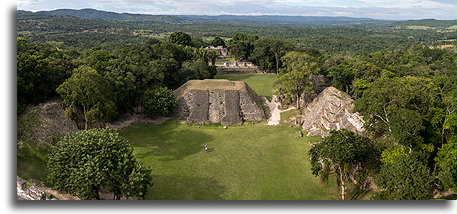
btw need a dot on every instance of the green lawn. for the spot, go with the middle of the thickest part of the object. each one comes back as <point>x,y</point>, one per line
<point>226,60</point>
<point>31,163</point>
<point>262,84</point>
<point>250,162</point>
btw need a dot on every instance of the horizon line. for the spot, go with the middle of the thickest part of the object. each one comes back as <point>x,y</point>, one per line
<point>228,14</point>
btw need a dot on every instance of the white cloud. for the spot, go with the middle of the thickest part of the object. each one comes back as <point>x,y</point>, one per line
<point>26,3</point>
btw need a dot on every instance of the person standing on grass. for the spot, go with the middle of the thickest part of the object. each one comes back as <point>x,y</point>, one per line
<point>206,148</point>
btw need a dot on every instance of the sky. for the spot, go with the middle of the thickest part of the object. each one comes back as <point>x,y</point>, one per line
<point>379,9</point>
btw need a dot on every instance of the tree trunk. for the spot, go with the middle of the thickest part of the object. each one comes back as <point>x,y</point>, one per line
<point>277,62</point>
<point>343,185</point>
<point>298,101</point>
<point>85,117</point>
<point>343,190</point>
<point>97,195</point>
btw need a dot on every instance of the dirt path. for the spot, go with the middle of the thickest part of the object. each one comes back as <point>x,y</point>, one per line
<point>131,119</point>
<point>60,196</point>
<point>275,112</point>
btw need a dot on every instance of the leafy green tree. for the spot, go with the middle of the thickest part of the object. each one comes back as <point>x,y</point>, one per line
<point>389,154</point>
<point>180,38</point>
<point>344,153</point>
<point>168,50</point>
<point>124,81</point>
<point>41,68</point>
<point>399,108</point>
<point>446,166</point>
<point>90,161</point>
<point>198,42</point>
<point>293,83</point>
<point>218,41</point>
<point>241,45</point>
<point>159,101</point>
<point>268,52</point>
<point>207,56</point>
<point>90,91</point>
<point>406,178</point>
<point>342,76</point>
<point>298,61</point>
<point>295,76</point>
<point>195,70</point>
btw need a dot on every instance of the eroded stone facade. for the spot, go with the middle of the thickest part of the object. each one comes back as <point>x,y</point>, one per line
<point>218,101</point>
<point>332,109</point>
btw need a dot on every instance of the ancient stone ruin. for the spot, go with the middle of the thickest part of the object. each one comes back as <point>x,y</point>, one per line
<point>241,64</point>
<point>44,123</point>
<point>25,192</point>
<point>217,101</point>
<point>223,52</point>
<point>331,110</point>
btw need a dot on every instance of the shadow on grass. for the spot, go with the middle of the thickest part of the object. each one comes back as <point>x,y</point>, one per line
<point>174,144</point>
<point>176,187</point>
<point>31,163</point>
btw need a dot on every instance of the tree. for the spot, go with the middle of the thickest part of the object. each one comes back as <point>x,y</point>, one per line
<point>159,101</point>
<point>446,166</point>
<point>298,61</point>
<point>218,41</point>
<point>180,38</point>
<point>268,52</point>
<point>406,178</point>
<point>241,45</point>
<point>342,76</point>
<point>295,76</point>
<point>198,69</point>
<point>399,108</point>
<point>90,91</point>
<point>40,70</point>
<point>90,161</point>
<point>344,153</point>
<point>295,83</point>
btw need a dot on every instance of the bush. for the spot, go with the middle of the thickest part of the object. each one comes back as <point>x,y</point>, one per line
<point>95,160</point>
<point>158,102</point>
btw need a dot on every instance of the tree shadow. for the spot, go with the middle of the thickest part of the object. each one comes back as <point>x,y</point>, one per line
<point>175,145</point>
<point>176,187</point>
<point>358,194</point>
<point>448,197</point>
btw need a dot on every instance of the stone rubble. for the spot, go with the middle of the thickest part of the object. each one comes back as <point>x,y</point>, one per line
<point>331,110</point>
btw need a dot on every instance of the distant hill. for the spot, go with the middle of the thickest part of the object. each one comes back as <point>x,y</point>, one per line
<point>279,19</point>
<point>296,20</point>
<point>93,14</point>
<point>428,23</point>
<point>112,16</point>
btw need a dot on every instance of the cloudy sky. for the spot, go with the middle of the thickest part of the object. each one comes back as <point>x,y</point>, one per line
<point>380,9</point>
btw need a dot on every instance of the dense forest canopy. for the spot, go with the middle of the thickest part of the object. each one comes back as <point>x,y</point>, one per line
<point>332,37</point>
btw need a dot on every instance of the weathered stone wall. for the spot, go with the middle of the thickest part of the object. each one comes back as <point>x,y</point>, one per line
<point>232,108</point>
<point>331,110</point>
<point>29,193</point>
<point>223,52</point>
<point>42,124</point>
<point>217,101</point>
<point>249,105</point>
<point>216,105</point>
<point>222,71</point>
<point>199,106</point>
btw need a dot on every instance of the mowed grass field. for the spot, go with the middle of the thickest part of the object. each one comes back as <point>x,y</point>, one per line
<point>262,84</point>
<point>250,162</point>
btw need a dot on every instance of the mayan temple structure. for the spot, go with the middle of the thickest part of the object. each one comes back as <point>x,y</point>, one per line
<point>218,101</point>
